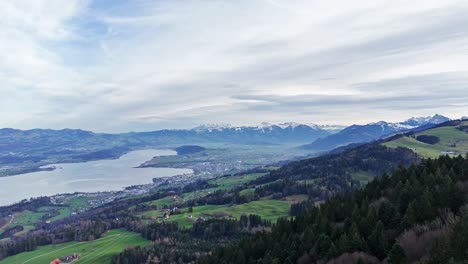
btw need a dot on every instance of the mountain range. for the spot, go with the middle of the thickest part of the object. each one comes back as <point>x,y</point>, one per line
<point>264,133</point>
<point>37,147</point>
<point>26,150</point>
<point>373,131</point>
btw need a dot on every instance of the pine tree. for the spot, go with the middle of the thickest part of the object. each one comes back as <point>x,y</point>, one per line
<point>376,241</point>
<point>344,245</point>
<point>323,246</point>
<point>356,240</point>
<point>396,255</point>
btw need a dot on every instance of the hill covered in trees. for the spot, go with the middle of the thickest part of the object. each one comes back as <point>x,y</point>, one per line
<point>418,213</point>
<point>324,176</point>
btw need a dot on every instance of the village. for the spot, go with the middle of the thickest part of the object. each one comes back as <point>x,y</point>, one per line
<point>96,199</point>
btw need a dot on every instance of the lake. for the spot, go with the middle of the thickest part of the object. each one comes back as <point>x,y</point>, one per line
<point>92,176</point>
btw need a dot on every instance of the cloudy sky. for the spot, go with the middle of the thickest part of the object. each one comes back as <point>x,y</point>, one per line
<point>109,65</point>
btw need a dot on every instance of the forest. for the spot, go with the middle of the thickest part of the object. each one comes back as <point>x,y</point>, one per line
<point>419,213</point>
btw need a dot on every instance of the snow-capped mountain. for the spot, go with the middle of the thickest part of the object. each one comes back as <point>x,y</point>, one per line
<point>330,128</point>
<point>291,125</point>
<point>421,121</point>
<point>211,127</point>
<point>372,131</point>
<point>262,133</point>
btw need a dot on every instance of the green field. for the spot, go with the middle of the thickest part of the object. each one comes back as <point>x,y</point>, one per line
<point>247,191</point>
<point>228,182</point>
<point>451,139</point>
<point>64,212</point>
<point>161,202</point>
<point>28,219</point>
<point>362,176</point>
<point>99,251</point>
<point>297,198</point>
<point>267,209</point>
<point>223,183</point>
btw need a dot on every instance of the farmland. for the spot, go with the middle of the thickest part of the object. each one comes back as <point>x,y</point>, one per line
<point>98,251</point>
<point>268,209</point>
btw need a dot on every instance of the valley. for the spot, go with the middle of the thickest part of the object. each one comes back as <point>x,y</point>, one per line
<point>218,159</point>
<point>24,151</point>
<point>224,204</point>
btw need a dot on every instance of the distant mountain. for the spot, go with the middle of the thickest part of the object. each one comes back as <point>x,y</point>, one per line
<point>26,150</point>
<point>421,121</point>
<point>66,140</point>
<point>372,131</point>
<point>263,133</point>
<point>332,129</point>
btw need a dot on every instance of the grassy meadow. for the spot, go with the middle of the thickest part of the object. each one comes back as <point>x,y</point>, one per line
<point>99,251</point>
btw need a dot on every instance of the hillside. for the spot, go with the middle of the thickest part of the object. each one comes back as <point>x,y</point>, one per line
<point>97,251</point>
<point>449,138</point>
<point>188,149</point>
<point>417,214</point>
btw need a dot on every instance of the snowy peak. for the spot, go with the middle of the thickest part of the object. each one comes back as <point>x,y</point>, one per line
<point>421,121</point>
<point>263,133</point>
<point>380,123</point>
<point>411,123</point>
<point>391,126</point>
<point>332,129</point>
<point>262,126</point>
<point>438,119</point>
<point>289,124</point>
<point>293,125</point>
<point>212,127</point>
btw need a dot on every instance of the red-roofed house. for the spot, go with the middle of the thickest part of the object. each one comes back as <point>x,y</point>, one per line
<point>56,261</point>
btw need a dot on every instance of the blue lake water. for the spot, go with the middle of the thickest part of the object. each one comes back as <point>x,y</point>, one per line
<point>93,176</point>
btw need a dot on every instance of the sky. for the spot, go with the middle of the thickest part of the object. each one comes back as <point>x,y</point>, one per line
<point>115,66</point>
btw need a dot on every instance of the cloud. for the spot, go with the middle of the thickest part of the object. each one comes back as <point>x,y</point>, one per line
<point>140,65</point>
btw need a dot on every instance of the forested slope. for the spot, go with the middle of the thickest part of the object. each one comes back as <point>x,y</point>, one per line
<point>326,175</point>
<point>418,213</point>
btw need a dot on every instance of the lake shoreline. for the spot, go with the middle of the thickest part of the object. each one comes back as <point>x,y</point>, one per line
<point>30,168</point>
<point>109,175</point>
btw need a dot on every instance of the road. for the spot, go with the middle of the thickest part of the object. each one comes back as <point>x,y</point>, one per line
<point>9,222</point>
